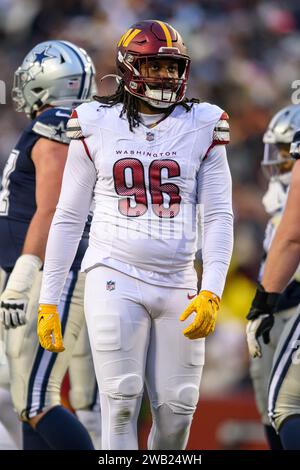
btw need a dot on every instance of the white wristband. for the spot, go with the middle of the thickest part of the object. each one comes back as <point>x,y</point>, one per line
<point>24,272</point>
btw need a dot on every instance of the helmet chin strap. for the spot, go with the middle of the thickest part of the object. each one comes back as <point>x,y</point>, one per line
<point>41,101</point>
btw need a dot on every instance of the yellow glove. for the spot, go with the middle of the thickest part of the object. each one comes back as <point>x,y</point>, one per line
<point>206,305</point>
<point>49,328</point>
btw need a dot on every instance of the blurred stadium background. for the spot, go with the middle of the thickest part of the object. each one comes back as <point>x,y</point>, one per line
<point>245,56</point>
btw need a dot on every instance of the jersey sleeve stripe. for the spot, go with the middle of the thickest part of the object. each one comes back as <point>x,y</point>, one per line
<point>208,150</point>
<point>86,148</point>
<point>74,130</point>
<point>221,134</point>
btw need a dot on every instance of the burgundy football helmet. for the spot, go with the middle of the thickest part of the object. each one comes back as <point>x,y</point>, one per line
<point>146,41</point>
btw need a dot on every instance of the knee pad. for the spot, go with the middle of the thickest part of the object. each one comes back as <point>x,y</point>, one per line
<point>279,411</point>
<point>124,387</point>
<point>276,418</point>
<point>280,414</point>
<point>184,399</point>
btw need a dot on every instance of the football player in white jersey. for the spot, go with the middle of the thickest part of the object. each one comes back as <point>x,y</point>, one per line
<point>281,265</point>
<point>149,158</point>
<point>277,164</point>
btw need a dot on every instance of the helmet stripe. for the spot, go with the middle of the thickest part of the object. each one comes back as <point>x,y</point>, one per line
<point>124,36</point>
<point>82,65</point>
<point>90,84</point>
<point>131,37</point>
<point>166,31</point>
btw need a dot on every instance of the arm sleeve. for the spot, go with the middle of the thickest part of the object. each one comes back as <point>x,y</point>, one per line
<point>215,199</point>
<point>68,222</point>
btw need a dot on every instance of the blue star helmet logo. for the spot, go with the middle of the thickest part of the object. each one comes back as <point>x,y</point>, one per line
<point>59,130</point>
<point>40,57</point>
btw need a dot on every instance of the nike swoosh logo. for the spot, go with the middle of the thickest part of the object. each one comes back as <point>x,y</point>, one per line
<point>59,114</point>
<point>191,296</point>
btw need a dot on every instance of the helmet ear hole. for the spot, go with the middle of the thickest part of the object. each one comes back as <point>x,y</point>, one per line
<point>37,90</point>
<point>181,67</point>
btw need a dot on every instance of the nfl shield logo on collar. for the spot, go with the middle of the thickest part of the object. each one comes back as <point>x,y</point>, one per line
<point>149,136</point>
<point>110,285</point>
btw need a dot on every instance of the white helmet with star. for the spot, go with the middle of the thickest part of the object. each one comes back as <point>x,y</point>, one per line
<point>53,71</point>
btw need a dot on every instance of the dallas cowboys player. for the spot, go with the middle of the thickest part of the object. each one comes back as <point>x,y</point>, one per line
<point>281,264</point>
<point>11,429</point>
<point>147,155</point>
<point>52,71</point>
<point>278,164</point>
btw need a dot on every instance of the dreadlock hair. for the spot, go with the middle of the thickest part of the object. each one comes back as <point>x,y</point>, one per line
<point>130,104</point>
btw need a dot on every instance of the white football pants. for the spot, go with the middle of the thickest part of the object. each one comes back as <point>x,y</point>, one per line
<point>136,337</point>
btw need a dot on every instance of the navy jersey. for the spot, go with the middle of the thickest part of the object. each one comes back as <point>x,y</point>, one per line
<point>290,297</point>
<point>17,196</point>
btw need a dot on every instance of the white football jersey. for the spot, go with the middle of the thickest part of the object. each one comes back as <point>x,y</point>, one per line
<point>145,217</point>
<point>147,187</point>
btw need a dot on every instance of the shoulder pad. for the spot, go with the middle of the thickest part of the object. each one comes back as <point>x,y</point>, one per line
<point>84,120</point>
<point>206,110</point>
<point>206,113</point>
<point>221,135</point>
<point>52,124</point>
<point>74,130</point>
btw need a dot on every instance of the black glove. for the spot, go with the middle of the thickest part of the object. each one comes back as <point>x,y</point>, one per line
<point>261,319</point>
<point>264,303</point>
